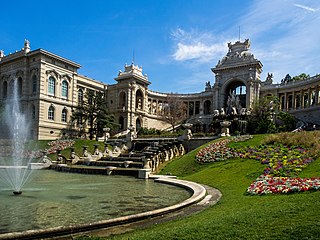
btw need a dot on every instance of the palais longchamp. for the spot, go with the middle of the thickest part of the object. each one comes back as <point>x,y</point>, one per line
<point>50,88</point>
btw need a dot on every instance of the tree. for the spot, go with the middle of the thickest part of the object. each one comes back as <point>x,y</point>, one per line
<point>266,118</point>
<point>285,121</point>
<point>175,111</point>
<point>92,114</point>
<point>262,115</point>
<point>301,77</point>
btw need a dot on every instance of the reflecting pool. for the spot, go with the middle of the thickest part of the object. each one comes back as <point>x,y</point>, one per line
<point>54,199</point>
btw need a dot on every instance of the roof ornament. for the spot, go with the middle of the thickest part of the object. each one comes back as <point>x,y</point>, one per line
<point>26,46</point>
<point>1,54</point>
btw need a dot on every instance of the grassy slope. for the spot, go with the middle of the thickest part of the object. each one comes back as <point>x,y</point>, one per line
<point>237,215</point>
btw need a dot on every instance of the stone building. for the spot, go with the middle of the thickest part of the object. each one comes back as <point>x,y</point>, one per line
<point>51,88</point>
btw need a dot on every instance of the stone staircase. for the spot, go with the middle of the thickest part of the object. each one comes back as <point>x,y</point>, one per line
<point>139,162</point>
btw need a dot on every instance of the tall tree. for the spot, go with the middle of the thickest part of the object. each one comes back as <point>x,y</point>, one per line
<point>175,111</point>
<point>262,115</point>
<point>92,114</point>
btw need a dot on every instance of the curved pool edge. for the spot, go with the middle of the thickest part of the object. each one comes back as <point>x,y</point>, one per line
<point>198,194</point>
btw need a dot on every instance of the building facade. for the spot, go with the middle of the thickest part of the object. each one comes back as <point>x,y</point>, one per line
<point>50,88</point>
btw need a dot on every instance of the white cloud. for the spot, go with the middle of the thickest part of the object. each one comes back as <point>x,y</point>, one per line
<point>197,46</point>
<point>199,51</point>
<point>305,7</point>
<point>284,36</point>
<point>285,41</point>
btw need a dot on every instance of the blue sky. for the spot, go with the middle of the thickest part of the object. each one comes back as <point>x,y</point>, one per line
<point>177,42</point>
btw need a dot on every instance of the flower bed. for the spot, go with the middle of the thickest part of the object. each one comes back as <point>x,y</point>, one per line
<point>219,151</point>
<point>269,184</point>
<point>280,160</point>
<point>283,165</point>
<point>59,145</point>
<point>54,146</point>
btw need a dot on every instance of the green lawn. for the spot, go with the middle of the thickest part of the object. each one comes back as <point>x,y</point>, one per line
<point>238,215</point>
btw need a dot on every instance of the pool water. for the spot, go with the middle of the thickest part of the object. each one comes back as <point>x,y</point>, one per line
<point>52,199</point>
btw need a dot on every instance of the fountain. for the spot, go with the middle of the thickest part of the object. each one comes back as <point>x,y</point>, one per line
<point>15,168</point>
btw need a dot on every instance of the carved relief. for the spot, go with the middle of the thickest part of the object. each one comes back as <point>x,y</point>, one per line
<point>67,77</point>
<point>53,73</point>
<point>19,73</point>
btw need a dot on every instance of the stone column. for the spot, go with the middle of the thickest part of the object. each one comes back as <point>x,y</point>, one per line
<point>285,101</point>
<point>301,99</point>
<point>317,95</point>
<point>309,97</point>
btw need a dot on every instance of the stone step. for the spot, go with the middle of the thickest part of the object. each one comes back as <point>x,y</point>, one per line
<point>119,159</point>
<point>124,164</point>
<point>96,170</point>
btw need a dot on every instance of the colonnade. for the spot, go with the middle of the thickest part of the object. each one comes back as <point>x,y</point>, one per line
<point>297,99</point>
<point>193,107</point>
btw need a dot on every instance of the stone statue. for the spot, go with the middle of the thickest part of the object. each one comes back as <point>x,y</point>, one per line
<point>26,44</point>
<point>149,106</point>
<point>187,132</point>
<point>139,103</point>
<point>222,112</point>
<point>116,151</point>
<point>154,108</point>
<point>74,158</point>
<point>243,111</point>
<point>107,152</point>
<point>269,78</point>
<point>160,108</point>
<point>233,104</point>
<point>97,154</point>
<point>216,113</point>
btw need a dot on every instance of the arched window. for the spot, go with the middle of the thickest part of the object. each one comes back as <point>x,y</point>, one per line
<point>138,124</point>
<point>282,103</point>
<point>64,115</point>
<point>20,86</point>
<point>4,90</point>
<point>305,100</point>
<point>80,96</point>
<point>121,123</point>
<point>34,83</point>
<point>51,113</point>
<point>207,107</point>
<point>33,112</point>
<point>298,101</point>
<point>64,89</point>
<point>11,88</point>
<point>122,100</point>
<point>90,95</point>
<point>51,85</point>
<point>139,99</point>
<point>290,101</point>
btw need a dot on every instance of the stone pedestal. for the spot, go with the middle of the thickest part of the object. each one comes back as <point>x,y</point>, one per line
<point>225,128</point>
<point>144,173</point>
